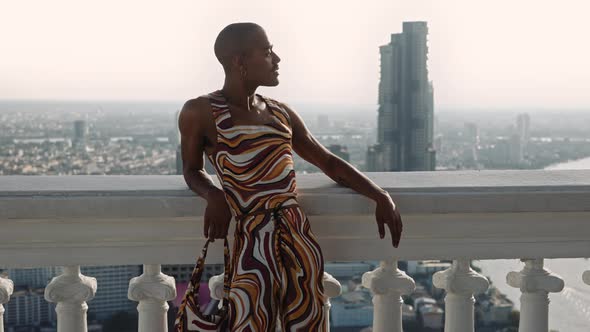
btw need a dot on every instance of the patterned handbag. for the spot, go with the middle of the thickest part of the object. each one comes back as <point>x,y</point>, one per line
<point>189,316</point>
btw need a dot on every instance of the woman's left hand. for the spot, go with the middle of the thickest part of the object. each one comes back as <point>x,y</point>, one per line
<point>387,213</point>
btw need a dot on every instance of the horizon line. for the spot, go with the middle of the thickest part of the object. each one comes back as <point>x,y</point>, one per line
<point>443,108</point>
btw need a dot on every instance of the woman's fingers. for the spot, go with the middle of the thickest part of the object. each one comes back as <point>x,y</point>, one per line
<point>212,231</point>
<point>381,227</point>
<point>220,230</point>
<point>394,232</point>
<point>225,230</point>
<point>394,223</point>
<point>399,221</point>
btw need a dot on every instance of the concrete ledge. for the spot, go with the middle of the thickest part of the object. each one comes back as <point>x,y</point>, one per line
<point>104,220</point>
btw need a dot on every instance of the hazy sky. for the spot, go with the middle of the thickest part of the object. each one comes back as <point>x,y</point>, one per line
<point>484,54</point>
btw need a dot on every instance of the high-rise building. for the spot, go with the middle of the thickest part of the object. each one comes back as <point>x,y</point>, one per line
<point>374,158</point>
<point>27,307</point>
<point>523,125</point>
<point>406,103</point>
<point>515,149</point>
<point>501,153</point>
<point>37,277</point>
<point>111,294</point>
<point>80,132</point>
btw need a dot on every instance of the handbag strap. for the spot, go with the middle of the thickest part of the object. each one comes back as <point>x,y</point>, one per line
<point>198,272</point>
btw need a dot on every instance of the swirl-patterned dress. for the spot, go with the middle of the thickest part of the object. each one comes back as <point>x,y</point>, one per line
<point>277,264</point>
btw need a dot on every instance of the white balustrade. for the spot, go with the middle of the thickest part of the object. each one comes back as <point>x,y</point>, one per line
<point>135,219</point>
<point>388,283</point>
<point>332,289</point>
<point>152,289</point>
<point>535,283</point>
<point>460,282</point>
<point>71,290</point>
<point>6,289</point>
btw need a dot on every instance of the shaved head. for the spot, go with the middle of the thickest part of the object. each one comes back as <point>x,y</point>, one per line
<point>234,40</point>
<point>247,56</point>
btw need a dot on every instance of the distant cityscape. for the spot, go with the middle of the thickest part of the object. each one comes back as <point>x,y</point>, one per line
<point>110,142</point>
<point>402,133</point>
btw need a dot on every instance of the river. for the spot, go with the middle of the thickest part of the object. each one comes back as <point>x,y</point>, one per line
<point>569,311</point>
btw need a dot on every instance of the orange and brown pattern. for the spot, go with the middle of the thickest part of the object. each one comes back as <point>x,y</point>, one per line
<point>277,264</point>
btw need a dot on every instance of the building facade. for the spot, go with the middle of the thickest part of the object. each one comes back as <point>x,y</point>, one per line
<point>523,127</point>
<point>28,308</point>
<point>111,294</point>
<point>406,104</point>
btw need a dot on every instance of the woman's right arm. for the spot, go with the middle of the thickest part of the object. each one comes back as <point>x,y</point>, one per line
<point>192,123</point>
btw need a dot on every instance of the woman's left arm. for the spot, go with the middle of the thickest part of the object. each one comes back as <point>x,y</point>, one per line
<point>307,146</point>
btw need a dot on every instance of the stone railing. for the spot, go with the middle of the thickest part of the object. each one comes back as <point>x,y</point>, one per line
<point>153,220</point>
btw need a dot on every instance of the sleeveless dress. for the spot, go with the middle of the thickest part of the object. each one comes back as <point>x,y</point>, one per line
<point>277,264</point>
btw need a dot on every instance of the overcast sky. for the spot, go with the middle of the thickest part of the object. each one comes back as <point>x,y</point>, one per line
<point>483,54</point>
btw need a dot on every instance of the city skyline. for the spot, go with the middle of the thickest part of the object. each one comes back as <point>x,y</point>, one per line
<point>488,56</point>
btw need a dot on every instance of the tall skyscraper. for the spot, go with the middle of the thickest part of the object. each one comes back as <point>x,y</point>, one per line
<point>80,132</point>
<point>374,158</point>
<point>523,127</point>
<point>406,104</point>
<point>515,149</point>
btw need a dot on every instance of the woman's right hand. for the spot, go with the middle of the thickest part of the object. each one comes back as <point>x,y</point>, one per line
<point>217,216</point>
